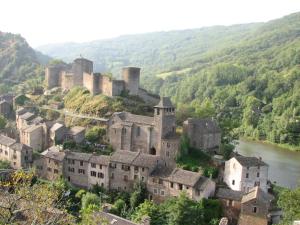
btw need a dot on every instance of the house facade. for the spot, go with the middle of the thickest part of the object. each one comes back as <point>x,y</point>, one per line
<point>243,173</point>
<point>19,155</point>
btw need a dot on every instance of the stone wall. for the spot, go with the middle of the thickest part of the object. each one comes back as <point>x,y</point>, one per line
<point>66,80</point>
<point>105,85</point>
<point>118,87</point>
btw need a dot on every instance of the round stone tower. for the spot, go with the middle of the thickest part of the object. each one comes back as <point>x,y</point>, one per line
<point>52,76</point>
<point>131,77</point>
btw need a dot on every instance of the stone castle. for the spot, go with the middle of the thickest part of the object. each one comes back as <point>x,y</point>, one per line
<point>80,73</point>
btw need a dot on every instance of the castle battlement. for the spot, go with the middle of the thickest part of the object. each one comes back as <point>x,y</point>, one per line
<point>80,73</point>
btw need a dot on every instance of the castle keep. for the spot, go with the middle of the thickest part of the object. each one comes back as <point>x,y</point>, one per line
<point>80,73</point>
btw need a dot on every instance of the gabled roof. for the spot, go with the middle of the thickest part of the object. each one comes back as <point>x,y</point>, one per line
<point>123,156</point>
<point>165,102</point>
<point>76,130</point>
<point>161,172</point>
<point>205,125</point>
<point>258,194</point>
<point>7,141</point>
<point>100,159</point>
<point>250,161</point>
<point>226,193</point>
<point>54,153</point>
<point>128,118</point>
<point>184,177</point>
<point>146,160</point>
<point>37,120</point>
<point>78,156</point>
<point>56,126</point>
<point>27,116</point>
<point>20,147</point>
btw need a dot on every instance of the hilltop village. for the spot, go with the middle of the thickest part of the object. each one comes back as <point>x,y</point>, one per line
<point>144,149</point>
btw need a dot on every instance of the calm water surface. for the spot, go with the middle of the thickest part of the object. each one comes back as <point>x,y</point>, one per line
<point>284,165</point>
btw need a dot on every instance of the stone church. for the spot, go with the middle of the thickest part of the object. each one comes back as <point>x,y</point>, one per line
<point>151,135</point>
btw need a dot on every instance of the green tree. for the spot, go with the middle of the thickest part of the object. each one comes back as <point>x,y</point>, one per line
<point>3,122</point>
<point>4,164</point>
<point>152,210</point>
<point>289,201</point>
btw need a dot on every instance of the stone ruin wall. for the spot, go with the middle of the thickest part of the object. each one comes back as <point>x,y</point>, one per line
<point>66,80</point>
<point>117,87</point>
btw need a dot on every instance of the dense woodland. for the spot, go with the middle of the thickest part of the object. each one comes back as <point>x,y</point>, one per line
<point>248,76</point>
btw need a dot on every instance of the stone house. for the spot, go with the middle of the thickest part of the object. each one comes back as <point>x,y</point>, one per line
<point>5,108</point>
<point>33,136</point>
<point>231,203</point>
<point>50,163</point>
<point>255,206</point>
<point>243,173</point>
<point>121,171</point>
<point>128,167</point>
<point>19,155</point>
<point>203,134</point>
<point>57,133</point>
<point>23,120</point>
<point>76,168</point>
<point>98,171</point>
<point>166,182</point>
<point>76,134</point>
<point>150,135</point>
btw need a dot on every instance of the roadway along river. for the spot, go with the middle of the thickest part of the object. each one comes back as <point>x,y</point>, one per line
<point>284,165</point>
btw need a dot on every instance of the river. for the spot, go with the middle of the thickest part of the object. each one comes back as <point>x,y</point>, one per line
<point>284,165</point>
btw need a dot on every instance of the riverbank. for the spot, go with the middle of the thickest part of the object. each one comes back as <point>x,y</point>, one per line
<point>284,166</point>
<point>282,146</point>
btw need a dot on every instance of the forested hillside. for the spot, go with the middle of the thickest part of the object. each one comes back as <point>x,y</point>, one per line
<point>18,61</point>
<point>248,76</point>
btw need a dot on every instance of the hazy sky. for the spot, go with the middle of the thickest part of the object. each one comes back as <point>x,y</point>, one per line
<point>52,21</point>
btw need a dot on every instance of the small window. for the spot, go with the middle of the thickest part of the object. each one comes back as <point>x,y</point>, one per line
<point>100,175</point>
<point>254,210</point>
<point>143,169</point>
<point>143,178</point>
<point>93,165</point>
<point>155,191</point>
<point>55,171</point>
<point>93,173</point>
<point>160,181</point>
<point>100,166</point>
<point>247,175</point>
<point>172,185</point>
<point>138,131</point>
<point>257,174</point>
<point>180,186</point>
<point>162,192</point>
<point>157,112</point>
<point>233,182</point>
<point>81,163</point>
<point>125,178</point>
